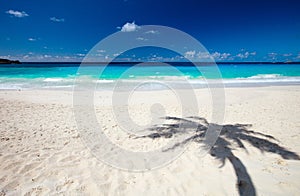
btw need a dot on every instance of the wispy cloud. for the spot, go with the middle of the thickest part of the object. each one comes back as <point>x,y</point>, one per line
<point>141,39</point>
<point>220,56</point>
<point>80,54</point>
<point>100,52</point>
<point>190,54</point>
<point>245,55</point>
<point>5,57</point>
<point>25,57</point>
<point>129,27</point>
<point>54,19</point>
<point>272,56</point>
<point>204,55</point>
<point>151,32</point>
<point>18,14</point>
<point>287,55</point>
<point>35,57</point>
<point>31,39</point>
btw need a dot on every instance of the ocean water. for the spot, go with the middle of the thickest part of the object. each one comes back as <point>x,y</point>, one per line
<point>62,76</point>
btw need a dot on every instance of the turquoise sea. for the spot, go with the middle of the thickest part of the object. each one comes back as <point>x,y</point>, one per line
<point>45,75</point>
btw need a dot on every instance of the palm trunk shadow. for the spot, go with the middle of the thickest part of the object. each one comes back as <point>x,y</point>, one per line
<point>221,151</point>
<point>244,182</point>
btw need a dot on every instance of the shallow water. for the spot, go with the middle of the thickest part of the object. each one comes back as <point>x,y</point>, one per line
<point>63,76</point>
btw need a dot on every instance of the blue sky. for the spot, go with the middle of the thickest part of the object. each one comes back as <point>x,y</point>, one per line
<point>35,30</point>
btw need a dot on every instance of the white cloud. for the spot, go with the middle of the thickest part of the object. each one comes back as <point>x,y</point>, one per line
<point>272,56</point>
<point>204,55</point>
<point>287,55</point>
<point>225,55</point>
<point>220,56</point>
<point>81,55</point>
<point>17,14</point>
<point>54,19</point>
<point>141,39</point>
<point>31,39</point>
<point>190,54</point>
<point>245,55</point>
<point>5,57</point>
<point>31,57</point>
<point>155,58</point>
<point>130,27</point>
<point>100,52</point>
<point>240,55</point>
<point>151,32</point>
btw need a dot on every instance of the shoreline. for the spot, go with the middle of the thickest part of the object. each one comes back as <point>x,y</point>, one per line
<point>71,89</point>
<point>153,83</point>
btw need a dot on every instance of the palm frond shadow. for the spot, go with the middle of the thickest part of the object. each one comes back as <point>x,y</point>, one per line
<point>222,150</point>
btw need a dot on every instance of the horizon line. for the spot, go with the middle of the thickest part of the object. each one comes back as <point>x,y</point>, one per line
<point>176,62</point>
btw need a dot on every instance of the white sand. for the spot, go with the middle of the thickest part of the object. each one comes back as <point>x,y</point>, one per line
<point>41,151</point>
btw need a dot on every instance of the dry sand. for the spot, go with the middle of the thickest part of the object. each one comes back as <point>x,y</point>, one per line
<point>41,151</point>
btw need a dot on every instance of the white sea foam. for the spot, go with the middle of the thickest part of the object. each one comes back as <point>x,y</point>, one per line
<point>266,76</point>
<point>168,78</point>
<point>53,79</point>
<point>59,87</point>
<point>10,87</point>
<point>103,81</point>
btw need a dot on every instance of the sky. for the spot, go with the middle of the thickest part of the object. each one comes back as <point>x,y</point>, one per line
<point>244,30</point>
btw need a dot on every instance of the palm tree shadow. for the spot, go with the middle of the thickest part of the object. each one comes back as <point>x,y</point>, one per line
<point>223,148</point>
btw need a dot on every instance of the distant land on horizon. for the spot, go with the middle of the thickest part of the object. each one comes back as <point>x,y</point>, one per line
<point>171,62</point>
<point>7,61</point>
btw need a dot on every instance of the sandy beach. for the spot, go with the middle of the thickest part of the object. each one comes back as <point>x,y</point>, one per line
<point>42,153</point>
